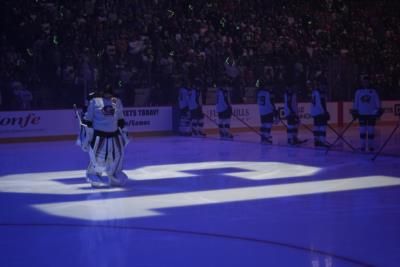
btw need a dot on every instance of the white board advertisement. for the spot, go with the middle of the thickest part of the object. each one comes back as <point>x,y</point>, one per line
<point>249,114</point>
<point>37,123</point>
<point>63,122</point>
<point>241,114</point>
<point>148,119</point>
<point>391,111</point>
<point>32,123</point>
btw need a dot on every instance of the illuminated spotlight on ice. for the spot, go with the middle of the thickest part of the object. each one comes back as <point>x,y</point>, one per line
<point>143,206</point>
<point>251,170</point>
<point>47,183</point>
<point>50,182</point>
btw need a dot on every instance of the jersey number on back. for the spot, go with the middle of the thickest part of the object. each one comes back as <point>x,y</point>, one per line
<point>262,100</point>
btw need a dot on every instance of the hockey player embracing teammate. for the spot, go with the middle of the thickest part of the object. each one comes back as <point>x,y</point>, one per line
<point>105,140</point>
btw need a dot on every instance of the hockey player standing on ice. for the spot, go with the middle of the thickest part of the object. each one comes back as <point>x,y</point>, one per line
<point>366,108</point>
<point>224,109</point>
<point>196,110</point>
<point>105,141</point>
<point>267,109</point>
<point>319,113</point>
<point>184,116</point>
<point>291,115</point>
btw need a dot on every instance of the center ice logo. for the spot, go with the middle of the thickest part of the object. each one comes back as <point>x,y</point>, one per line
<point>126,203</point>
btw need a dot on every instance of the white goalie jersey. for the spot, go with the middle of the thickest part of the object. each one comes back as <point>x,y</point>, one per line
<point>104,113</point>
<point>367,102</point>
<point>105,141</point>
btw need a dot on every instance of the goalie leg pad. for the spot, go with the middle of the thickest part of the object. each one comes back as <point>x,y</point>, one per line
<point>118,179</point>
<point>113,161</point>
<point>85,138</point>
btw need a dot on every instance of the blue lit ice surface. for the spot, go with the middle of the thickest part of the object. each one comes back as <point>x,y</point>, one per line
<point>194,202</point>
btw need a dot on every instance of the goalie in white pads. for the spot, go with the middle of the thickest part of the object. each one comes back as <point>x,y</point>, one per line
<point>367,109</point>
<point>105,140</point>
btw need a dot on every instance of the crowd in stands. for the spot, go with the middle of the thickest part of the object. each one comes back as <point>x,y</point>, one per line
<point>52,53</point>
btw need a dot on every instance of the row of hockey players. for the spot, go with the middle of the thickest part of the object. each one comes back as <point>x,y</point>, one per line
<point>366,108</point>
<point>270,115</point>
<point>191,116</point>
<point>104,137</point>
<point>191,119</point>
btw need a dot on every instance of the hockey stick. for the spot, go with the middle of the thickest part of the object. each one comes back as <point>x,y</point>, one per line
<point>212,120</point>
<point>387,141</point>
<point>124,136</point>
<point>340,136</point>
<point>215,122</point>
<point>308,128</point>
<point>330,127</point>
<point>299,123</point>
<point>78,116</point>
<point>283,123</point>
<point>246,124</point>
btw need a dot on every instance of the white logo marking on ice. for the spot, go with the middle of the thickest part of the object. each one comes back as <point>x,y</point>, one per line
<point>121,207</point>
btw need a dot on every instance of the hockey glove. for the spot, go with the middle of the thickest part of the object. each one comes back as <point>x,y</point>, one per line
<point>275,115</point>
<point>293,117</point>
<point>296,119</point>
<point>327,116</point>
<point>354,114</point>
<point>125,136</point>
<point>380,112</point>
<point>87,138</point>
<point>289,116</point>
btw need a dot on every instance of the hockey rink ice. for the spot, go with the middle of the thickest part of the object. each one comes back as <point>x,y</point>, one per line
<point>193,202</point>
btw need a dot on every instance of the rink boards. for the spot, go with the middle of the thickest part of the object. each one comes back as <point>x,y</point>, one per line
<point>63,123</point>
